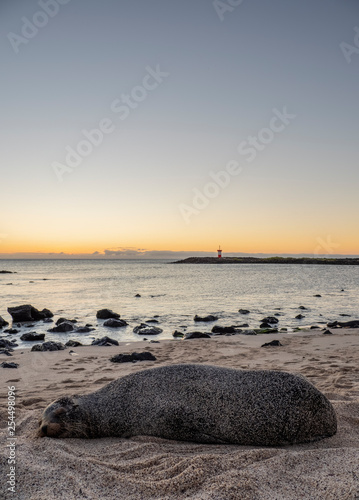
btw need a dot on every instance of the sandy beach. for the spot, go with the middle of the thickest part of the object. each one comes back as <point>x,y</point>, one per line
<point>151,468</point>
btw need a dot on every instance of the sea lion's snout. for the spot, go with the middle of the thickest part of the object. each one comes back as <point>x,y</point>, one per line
<point>43,431</point>
<point>49,429</point>
<point>57,418</point>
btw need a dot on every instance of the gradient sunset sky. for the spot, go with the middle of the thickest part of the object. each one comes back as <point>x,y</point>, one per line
<point>209,78</point>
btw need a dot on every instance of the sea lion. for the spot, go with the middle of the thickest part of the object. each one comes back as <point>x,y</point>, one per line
<point>200,403</point>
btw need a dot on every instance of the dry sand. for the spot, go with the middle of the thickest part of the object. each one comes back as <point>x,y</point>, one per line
<point>151,468</point>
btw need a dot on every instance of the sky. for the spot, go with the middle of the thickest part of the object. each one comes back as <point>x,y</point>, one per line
<point>154,126</point>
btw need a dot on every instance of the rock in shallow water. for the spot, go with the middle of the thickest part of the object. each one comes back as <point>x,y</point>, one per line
<point>222,330</point>
<point>49,346</point>
<point>63,327</point>
<point>270,319</point>
<point>11,331</point>
<point>265,324</point>
<point>266,330</point>
<point>73,343</point>
<point>84,329</point>
<point>28,313</point>
<point>144,329</point>
<point>32,336</point>
<point>63,320</point>
<point>205,319</point>
<point>107,314</point>
<point>177,334</point>
<point>349,324</point>
<point>115,323</point>
<point>8,344</point>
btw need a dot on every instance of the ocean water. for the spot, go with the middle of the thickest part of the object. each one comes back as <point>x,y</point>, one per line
<point>175,293</point>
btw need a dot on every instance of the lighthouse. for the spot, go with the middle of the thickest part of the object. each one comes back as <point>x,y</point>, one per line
<point>219,252</point>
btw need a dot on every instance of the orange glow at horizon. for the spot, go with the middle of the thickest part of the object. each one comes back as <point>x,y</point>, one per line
<point>320,245</point>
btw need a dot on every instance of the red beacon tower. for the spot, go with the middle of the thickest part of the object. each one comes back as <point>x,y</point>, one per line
<point>219,252</point>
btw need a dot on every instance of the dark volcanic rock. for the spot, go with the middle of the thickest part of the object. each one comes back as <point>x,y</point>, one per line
<point>49,346</point>
<point>11,331</point>
<point>222,330</point>
<point>63,320</point>
<point>266,330</point>
<point>84,329</point>
<point>317,295</point>
<point>137,295</point>
<point>73,343</point>
<point>333,324</point>
<point>44,314</point>
<point>48,320</point>
<point>152,321</point>
<point>300,316</point>
<point>62,328</point>
<point>3,322</point>
<point>135,356</point>
<point>197,335</point>
<point>7,344</point>
<point>144,329</point>
<point>349,324</point>
<point>348,315</point>
<point>302,307</point>
<point>28,313</point>
<point>104,341</point>
<point>270,319</point>
<point>7,272</point>
<point>107,314</point>
<point>32,336</point>
<point>176,333</point>
<point>265,324</point>
<point>9,365</point>
<point>21,313</point>
<point>206,319</point>
<point>244,311</point>
<point>6,352</point>
<point>115,323</point>
<point>327,332</point>
<point>243,325</point>
<point>274,343</point>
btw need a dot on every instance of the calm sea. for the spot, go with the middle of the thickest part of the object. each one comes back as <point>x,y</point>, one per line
<point>175,293</point>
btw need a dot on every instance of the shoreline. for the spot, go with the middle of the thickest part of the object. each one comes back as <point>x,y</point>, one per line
<point>237,351</point>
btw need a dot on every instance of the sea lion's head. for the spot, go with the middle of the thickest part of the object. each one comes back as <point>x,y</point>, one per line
<point>62,419</point>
